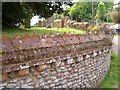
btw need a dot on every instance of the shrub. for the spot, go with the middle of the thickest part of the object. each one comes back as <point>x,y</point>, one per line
<point>115,16</point>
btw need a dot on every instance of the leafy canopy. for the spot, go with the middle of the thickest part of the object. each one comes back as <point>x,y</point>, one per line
<point>101,12</point>
<point>81,11</point>
<point>15,12</point>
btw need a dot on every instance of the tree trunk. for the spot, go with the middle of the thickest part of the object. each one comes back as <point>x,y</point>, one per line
<point>27,23</point>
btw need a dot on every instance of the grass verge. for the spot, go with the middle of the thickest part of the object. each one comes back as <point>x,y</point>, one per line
<point>111,79</point>
<point>40,31</point>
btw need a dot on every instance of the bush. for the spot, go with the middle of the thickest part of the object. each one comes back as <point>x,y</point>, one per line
<point>115,15</point>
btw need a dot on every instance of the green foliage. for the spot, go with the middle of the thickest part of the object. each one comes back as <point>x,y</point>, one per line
<point>81,11</point>
<point>66,12</point>
<point>109,7</point>
<point>56,16</point>
<point>11,14</point>
<point>101,12</point>
<point>16,12</point>
<point>75,10</point>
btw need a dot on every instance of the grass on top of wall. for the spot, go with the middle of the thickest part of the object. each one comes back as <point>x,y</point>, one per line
<point>111,79</point>
<point>40,31</point>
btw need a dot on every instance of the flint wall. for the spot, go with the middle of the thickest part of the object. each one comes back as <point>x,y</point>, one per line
<point>68,60</point>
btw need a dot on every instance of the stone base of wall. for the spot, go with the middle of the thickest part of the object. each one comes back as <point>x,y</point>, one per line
<point>80,71</point>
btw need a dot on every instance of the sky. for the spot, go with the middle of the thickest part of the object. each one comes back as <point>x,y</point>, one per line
<point>35,19</point>
<point>116,2</point>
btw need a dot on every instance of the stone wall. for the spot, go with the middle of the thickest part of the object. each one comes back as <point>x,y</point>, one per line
<point>57,23</point>
<point>60,23</point>
<point>68,60</point>
<point>86,26</point>
<point>41,23</point>
<point>78,25</point>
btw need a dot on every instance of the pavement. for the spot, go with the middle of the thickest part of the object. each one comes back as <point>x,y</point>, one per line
<point>116,44</point>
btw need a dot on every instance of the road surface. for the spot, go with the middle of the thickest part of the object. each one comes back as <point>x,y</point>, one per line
<point>116,44</point>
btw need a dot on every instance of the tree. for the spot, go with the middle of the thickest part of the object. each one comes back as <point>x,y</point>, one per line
<point>11,14</point>
<point>20,12</point>
<point>81,11</point>
<point>109,8</point>
<point>28,14</point>
<point>101,12</point>
<point>66,12</point>
<point>56,16</point>
<point>75,11</point>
